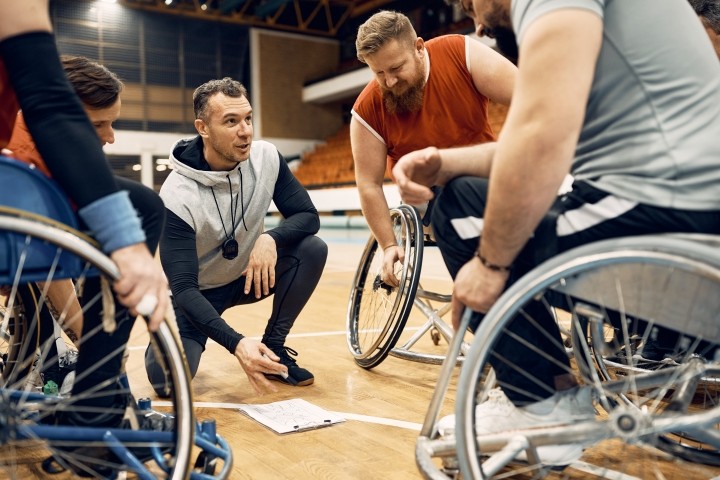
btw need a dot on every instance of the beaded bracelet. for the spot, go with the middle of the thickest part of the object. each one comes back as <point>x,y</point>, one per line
<point>492,266</point>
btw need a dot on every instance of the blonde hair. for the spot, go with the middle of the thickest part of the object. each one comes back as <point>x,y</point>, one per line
<point>379,29</point>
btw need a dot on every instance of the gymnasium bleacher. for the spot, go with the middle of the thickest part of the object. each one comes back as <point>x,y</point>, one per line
<point>330,164</point>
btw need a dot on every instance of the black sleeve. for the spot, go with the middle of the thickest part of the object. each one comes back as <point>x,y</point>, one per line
<point>55,118</point>
<point>178,255</point>
<point>294,204</point>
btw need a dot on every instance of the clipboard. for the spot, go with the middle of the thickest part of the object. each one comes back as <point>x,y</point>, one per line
<point>290,416</point>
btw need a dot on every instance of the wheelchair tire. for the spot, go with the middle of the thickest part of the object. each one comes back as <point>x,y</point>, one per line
<point>19,336</point>
<point>665,281</point>
<point>377,312</point>
<point>29,417</point>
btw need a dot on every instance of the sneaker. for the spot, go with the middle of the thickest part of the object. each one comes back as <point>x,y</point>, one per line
<point>296,376</point>
<point>498,414</point>
<point>61,371</point>
<point>85,461</point>
<point>656,351</point>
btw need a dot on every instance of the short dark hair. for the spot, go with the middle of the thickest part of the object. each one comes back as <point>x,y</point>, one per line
<point>226,86</point>
<point>709,11</point>
<point>96,86</point>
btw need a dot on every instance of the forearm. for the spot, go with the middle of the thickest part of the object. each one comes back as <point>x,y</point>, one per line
<point>113,221</point>
<point>375,209</point>
<point>206,319</point>
<point>178,255</point>
<point>474,160</point>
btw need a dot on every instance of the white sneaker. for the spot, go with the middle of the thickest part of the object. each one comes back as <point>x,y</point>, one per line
<point>67,384</point>
<point>499,414</point>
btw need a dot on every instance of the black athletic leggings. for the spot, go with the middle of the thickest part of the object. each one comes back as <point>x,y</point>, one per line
<point>93,353</point>
<point>297,274</point>
<point>515,363</point>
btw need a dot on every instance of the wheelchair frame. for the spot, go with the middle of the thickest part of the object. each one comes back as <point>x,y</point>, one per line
<point>650,413</point>
<point>35,246</point>
<point>370,340</point>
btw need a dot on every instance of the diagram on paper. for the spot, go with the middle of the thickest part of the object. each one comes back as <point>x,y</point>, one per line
<point>289,416</point>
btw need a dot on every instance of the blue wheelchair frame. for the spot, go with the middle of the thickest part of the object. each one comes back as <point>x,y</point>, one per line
<point>23,189</point>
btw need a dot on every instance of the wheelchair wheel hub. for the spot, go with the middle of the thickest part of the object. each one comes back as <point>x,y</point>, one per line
<point>629,423</point>
<point>378,283</point>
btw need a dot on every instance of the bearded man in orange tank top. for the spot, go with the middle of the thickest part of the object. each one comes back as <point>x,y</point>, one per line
<point>423,94</point>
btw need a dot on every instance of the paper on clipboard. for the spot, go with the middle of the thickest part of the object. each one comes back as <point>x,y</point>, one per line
<point>290,416</point>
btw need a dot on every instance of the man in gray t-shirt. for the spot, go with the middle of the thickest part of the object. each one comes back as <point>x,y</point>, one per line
<point>625,97</point>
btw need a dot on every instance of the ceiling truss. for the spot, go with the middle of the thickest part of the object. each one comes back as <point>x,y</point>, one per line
<point>313,17</point>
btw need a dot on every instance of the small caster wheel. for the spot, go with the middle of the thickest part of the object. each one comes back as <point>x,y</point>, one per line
<point>435,335</point>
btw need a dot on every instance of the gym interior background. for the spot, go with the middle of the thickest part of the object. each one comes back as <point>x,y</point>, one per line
<point>296,57</point>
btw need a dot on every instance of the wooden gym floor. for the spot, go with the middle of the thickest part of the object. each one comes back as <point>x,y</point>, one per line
<point>384,407</point>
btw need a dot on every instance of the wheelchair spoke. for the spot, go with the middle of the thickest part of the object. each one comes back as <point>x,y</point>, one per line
<point>39,417</point>
<point>597,317</point>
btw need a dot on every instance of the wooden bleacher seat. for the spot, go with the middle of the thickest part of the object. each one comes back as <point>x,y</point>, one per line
<point>331,163</point>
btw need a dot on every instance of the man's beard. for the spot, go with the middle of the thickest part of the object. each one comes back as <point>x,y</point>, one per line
<point>506,42</point>
<point>499,26</point>
<point>410,101</point>
<point>227,154</point>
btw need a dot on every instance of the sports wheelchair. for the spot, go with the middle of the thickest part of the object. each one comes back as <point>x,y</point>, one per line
<point>377,312</point>
<point>40,245</point>
<point>653,419</point>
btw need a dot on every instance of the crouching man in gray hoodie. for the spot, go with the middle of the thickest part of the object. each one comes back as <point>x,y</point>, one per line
<point>215,250</point>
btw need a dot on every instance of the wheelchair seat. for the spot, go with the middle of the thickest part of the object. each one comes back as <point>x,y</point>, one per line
<point>25,192</point>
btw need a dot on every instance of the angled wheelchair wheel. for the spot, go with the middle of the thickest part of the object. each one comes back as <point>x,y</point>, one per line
<point>612,296</point>
<point>37,412</point>
<point>16,337</point>
<point>21,332</point>
<point>378,312</point>
<point>607,347</point>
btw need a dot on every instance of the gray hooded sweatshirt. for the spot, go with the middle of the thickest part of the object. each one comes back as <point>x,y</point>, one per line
<point>202,208</point>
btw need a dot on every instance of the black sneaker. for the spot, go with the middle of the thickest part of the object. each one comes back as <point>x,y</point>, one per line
<point>297,376</point>
<point>659,352</point>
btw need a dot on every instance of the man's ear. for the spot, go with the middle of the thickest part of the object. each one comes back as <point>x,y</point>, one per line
<point>201,127</point>
<point>419,45</point>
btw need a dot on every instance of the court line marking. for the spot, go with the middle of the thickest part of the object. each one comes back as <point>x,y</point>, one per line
<point>295,335</point>
<point>578,465</point>
<point>601,472</point>
<point>336,332</point>
<point>347,416</point>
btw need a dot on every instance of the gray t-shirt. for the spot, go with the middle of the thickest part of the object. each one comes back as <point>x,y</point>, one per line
<point>651,132</point>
